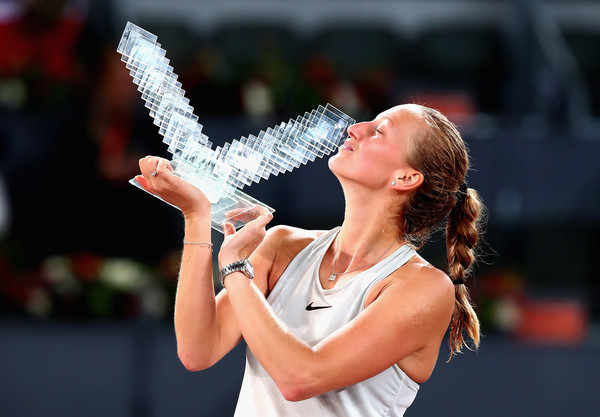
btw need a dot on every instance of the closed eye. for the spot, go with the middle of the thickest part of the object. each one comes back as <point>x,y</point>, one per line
<point>380,125</point>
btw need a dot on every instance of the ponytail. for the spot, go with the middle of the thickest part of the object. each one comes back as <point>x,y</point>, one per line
<point>440,154</point>
<point>462,235</point>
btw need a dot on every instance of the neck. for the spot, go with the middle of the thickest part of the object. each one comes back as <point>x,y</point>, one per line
<point>364,234</point>
<point>364,238</point>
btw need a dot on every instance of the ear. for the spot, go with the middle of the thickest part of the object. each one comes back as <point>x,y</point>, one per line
<point>408,180</point>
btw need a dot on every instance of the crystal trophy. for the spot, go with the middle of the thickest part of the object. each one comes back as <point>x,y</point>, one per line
<point>222,172</point>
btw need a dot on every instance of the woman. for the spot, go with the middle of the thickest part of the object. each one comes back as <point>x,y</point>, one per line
<point>346,322</point>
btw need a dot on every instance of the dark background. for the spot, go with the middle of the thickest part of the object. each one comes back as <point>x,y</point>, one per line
<point>88,263</point>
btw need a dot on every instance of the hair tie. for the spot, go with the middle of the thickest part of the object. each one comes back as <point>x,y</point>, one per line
<point>461,193</point>
<point>459,281</point>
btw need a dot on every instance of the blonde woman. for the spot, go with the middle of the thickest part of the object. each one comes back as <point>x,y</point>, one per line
<point>345,322</point>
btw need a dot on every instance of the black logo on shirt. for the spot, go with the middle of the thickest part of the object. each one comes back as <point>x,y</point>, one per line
<point>310,307</point>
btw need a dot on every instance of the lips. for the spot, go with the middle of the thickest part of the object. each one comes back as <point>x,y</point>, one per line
<point>347,146</point>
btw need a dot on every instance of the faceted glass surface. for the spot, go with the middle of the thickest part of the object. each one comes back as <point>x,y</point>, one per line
<point>221,172</point>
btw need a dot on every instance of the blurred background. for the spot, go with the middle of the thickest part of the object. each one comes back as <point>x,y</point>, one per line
<point>88,263</point>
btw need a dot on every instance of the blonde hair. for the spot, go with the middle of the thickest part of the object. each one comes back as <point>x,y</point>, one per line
<point>440,154</point>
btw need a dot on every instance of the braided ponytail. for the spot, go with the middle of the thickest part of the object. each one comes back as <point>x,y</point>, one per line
<point>462,234</point>
<point>440,153</point>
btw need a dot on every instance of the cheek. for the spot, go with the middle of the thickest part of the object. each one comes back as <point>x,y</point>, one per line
<point>370,167</point>
<point>375,170</point>
<point>381,159</point>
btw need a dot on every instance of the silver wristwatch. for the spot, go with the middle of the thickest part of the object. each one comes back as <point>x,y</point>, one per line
<point>243,265</point>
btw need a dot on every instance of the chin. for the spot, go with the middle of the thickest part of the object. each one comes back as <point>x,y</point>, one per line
<point>332,162</point>
<point>338,167</point>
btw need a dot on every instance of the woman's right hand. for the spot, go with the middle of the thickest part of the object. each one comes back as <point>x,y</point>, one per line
<point>241,244</point>
<point>157,178</point>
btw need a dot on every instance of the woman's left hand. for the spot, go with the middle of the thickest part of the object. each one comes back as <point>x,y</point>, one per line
<point>241,244</point>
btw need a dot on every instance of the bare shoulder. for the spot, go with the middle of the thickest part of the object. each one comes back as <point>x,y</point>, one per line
<point>284,243</point>
<point>419,275</point>
<point>421,284</point>
<point>419,272</point>
<point>288,238</point>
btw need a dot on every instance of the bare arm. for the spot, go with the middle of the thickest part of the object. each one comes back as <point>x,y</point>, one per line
<point>205,326</point>
<point>410,314</point>
<point>196,317</point>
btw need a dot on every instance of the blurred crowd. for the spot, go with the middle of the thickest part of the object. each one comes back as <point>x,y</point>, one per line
<point>76,240</point>
<point>71,134</point>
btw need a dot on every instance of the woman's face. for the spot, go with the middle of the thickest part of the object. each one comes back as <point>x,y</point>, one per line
<point>375,152</point>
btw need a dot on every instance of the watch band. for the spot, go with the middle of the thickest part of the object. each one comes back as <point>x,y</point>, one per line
<point>243,265</point>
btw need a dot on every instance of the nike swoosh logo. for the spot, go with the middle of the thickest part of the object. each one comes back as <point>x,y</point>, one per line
<point>310,307</point>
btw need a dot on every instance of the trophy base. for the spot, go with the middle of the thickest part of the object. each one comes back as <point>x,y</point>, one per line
<point>231,206</point>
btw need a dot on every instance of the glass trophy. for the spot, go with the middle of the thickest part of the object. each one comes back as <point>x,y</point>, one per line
<point>222,172</point>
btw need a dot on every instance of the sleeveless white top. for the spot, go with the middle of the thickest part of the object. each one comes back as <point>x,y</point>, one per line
<point>296,299</point>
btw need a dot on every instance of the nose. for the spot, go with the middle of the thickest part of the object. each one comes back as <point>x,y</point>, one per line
<point>356,130</point>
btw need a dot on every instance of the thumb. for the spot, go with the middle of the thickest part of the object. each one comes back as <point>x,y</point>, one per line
<point>142,181</point>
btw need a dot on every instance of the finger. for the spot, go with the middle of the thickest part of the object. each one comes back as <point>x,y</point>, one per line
<point>260,221</point>
<point>235,212</point>
<point>260,210</point>
<point>228,229</point>
<point>241,215</point>
<point>142,181</point>
<point>162,167</point>
<point>265,219</point>
<point>147,165</point>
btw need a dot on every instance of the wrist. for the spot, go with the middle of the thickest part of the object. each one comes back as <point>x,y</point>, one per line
<point>226,259</point>
<point>196,217</point>
<point>197,211</point>
<point>197,228</point>
<point>242,266</point>
<point>228,255</point>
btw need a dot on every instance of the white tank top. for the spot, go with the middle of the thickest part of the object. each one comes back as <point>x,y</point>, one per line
<point>313,313</point>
